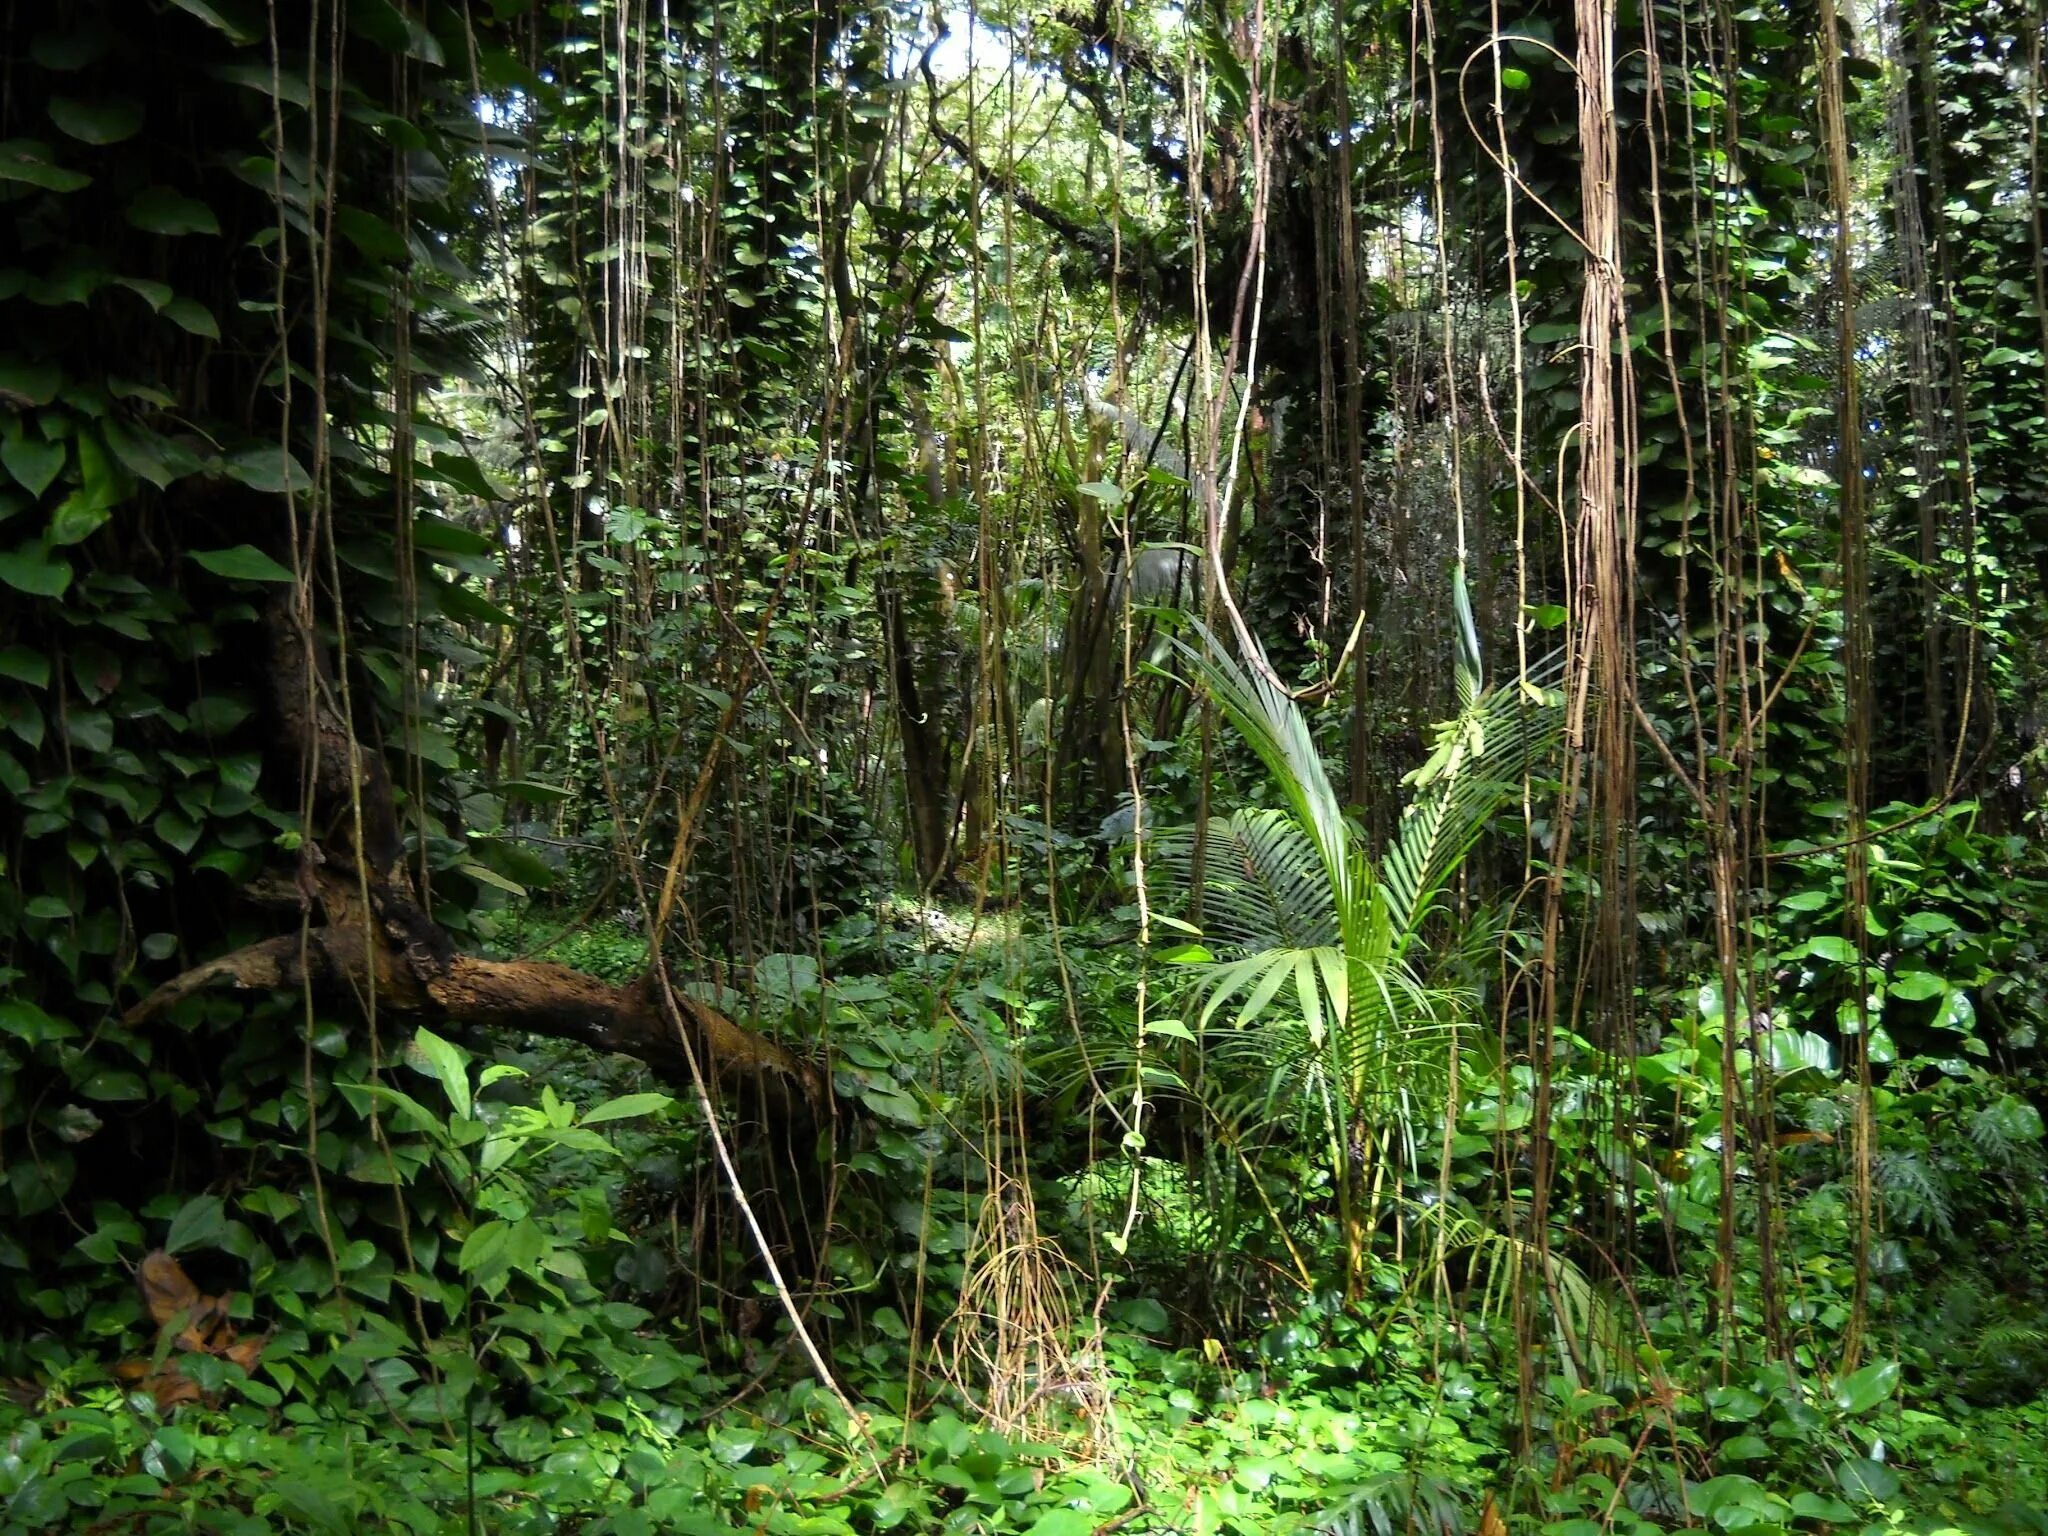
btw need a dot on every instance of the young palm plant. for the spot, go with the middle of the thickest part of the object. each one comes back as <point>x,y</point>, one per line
<point>1315,990</point>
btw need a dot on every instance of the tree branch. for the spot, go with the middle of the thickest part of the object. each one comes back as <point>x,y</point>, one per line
<point>388,952</point>
<point>527,996</point>
<point>1097,242</point>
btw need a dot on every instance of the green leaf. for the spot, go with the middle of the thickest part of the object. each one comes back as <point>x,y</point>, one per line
<point>370,235</point>
<point>1514,79</point>
<point>77,518</point>
<point>193,316</point>
<point>178,830</point>
<point>628,1106</point>
<point>25,1021</point>
<point>147,454</point>
<point>1830,947</point>
<point>244,562</point>
<point>1924,925</point>
<point>1802,1050</point>
<point>1917,986</point>
<point>430,1054</point>
<point>1860,1391</point>
<point>163,211</point>
<point>1805,901</point>
<point>31,161</point>
<point>113,1088</point>
<point>97,122</point>
<point>1064,1521</point>
<point>30,569</point>
<point>483,1250</point>
<point>240,30</point>
<point>894,1104</point>
<point>201,1222</point>
<point>25,666</point>
<point>64,52</point>
<point>24,383</point>
<point>270,469</point>
<point>32,462</point>
<point>465,474</point>
<point>1870,1481</point>
<point>153,293</point>
<point>534,793</point>
<point>438,533</point>
<point>1819,1506</point>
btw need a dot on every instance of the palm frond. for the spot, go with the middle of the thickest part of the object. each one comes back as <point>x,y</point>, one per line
<point>1273,726</point>
<point>1262,881</point>
<point>1476,768</point>
<point>1586,1329</point>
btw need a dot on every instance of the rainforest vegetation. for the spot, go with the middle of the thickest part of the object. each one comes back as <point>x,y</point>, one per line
<point>1047,767</point>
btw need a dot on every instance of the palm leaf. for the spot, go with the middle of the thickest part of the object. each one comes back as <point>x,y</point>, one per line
<point>1262,879</point>
<point>1477,767</point>
<point>1273,726</point>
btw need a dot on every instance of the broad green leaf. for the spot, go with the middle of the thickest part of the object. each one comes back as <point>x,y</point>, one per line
<point>193,316</point>
<point>1860,1391</point>
<point>225,17</point>
<point>201,1222</point>
<point>147,454</point>
<point>1805,901</point>
<point>77,518</point>
<point>438,1058</point>
<point>64,52</point>
<point>25,666</point>
<point>1917,986</point>
<point>1734,1405</point>
<point>30,569</point>
<point>1820,1506</point>
<point>164,211</point>
<point>533,793</point>
<point>483,874</point>
<point>1799,1050</point>
<point>1926,924</point>
<point>484,1249</point>
<point>370,235</point>
<point>33,162</point>
<point>628,1106</point>
<point>1865,1479</point>
<point>24,383</point>
<point>244,562</point>
<point>1064,1522</point>
<point>33,463</point>
<point>97,122</point>
<point>25,1021</point>
<point>111,1087</point>
<point>1831,947</point>
<point>465,474</point>
<point>894,1104</point>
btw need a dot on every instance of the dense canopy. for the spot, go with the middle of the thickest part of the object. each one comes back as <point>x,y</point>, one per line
<point>1249,765</point>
